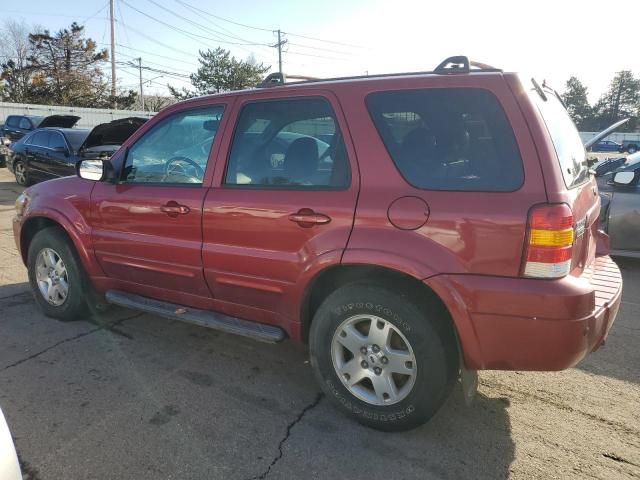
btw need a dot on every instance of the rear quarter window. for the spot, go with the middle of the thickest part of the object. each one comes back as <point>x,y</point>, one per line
<point>448,139</point>
<point>565,137</point>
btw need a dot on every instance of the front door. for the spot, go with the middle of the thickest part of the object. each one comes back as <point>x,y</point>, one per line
<point>59,159</point>
<point>282,207</point>
<point>147,229</point>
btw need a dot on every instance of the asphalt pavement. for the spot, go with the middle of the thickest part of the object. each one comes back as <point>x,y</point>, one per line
<point>133,396</point>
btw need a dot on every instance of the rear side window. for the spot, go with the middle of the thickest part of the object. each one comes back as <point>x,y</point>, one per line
<point>13,121</point>
<point>448,139</point>
<point>56,140</point>
<point>25,124</point>
<point>288,144</point>
<point>565,137</point>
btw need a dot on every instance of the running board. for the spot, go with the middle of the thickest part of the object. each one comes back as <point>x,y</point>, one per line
<point>204,318</point>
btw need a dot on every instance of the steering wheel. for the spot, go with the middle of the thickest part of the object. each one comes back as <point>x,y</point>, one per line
<point>173,167</point>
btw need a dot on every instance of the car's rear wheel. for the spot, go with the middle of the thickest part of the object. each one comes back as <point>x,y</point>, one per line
<point>632,149</point>
<point>20,171</point>
<point>387,362</point>
<point>56,276</point>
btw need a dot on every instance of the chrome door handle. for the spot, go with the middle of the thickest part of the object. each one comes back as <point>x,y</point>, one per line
<point>173,209</point>
<point>308,218</point>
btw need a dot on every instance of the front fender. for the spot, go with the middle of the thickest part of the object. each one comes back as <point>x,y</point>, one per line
<point>53,202</point>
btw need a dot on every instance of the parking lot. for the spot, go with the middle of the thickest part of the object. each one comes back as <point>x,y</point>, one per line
<point>131,395</point>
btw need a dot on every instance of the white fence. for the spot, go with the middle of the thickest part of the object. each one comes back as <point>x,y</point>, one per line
<point>89,117</point>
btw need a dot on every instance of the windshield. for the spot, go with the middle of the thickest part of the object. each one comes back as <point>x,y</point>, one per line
<point>76,138</point>
<point>565,137</point>
<point>632,159</point>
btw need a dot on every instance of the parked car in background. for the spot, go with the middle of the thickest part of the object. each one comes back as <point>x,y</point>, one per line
<point>4,151</point>
<point>630,146</point>
<point>606,146</point>
<point>48,153</point>
<point>406,226</point>
<point>620,206</point>
<point>9,466</point>
<point>17,126</point>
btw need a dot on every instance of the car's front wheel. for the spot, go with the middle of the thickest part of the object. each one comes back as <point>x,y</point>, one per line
<point>56,276</point>
<point>632,149</point>
<point>386,361</point>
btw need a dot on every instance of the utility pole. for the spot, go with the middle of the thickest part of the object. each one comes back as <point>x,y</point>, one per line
<point>141,93</point>
<point>113,55</point>
<point>279,45</point>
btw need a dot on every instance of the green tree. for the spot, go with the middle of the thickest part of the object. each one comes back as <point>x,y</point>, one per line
<point>621,100</point>
<point>66,69</point>
<point>221,72</point>
<point>575,98</point>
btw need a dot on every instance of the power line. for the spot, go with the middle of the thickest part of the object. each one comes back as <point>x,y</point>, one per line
<point>157,55</point>
<point>151,39</point>
<point>224,19</point>
<point>184,32</point>
<point>96,13</point>
<point>155,63</point>
<point>206,29</point>
<point>185,4</point>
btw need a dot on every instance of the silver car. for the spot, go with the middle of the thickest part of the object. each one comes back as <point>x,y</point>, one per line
<point>620,211</point>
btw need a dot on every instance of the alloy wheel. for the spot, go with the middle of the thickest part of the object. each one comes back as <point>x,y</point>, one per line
<point>52,277</point>
<point>20,173</point>
<point>373,360</point>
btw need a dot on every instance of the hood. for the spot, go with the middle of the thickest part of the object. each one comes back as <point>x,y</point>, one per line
<point>112,133</point>
<point>607,131</point>
<point>59,121</point>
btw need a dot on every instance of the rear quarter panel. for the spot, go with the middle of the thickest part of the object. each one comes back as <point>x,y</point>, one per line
<point>466,232</point>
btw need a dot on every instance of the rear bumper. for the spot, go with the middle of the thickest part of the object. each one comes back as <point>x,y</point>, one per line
<point>527,324</point>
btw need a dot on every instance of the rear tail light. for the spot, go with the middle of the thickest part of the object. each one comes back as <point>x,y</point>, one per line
<point>549,246</point>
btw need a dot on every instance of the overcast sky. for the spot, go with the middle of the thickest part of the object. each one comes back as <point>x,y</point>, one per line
<point>549,39</point>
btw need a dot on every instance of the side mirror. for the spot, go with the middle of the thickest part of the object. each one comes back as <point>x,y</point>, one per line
<point>623,178</point>
<point>90,169</point>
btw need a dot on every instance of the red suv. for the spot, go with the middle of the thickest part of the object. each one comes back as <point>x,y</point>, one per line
<point>412,228</point>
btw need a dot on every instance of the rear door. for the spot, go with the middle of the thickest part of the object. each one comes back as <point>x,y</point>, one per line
<point>282,206</point>
<point>36,152</point>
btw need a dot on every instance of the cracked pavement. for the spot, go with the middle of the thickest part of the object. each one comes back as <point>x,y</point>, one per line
<point>137,396</point>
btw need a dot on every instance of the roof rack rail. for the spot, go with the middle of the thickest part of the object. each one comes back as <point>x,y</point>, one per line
<point>462,64</point>
<point>273,80</point>
<point>279,78</point>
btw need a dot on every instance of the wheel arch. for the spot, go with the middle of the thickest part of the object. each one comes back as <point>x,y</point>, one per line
<point>333,277</point>
<point>37,222</point>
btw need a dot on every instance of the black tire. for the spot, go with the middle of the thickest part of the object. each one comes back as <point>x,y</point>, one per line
<point>632,149</point>
<point>75,306</point>
<point>427,330</point>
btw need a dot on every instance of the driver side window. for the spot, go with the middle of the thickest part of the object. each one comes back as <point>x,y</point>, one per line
<point>175,150</point>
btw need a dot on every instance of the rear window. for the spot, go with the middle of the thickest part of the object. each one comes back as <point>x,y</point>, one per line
<point>565,137</point>
<point>448,139</point>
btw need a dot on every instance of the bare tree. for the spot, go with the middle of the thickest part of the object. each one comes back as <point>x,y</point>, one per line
<point>15,50</point>
<point>156,102</point>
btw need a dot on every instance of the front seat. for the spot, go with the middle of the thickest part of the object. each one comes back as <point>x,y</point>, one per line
<point>301,161</point>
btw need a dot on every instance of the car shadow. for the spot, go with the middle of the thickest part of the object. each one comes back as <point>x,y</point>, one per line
<point>267,393</point>
<point>619,357</point>
<point>9,191</point>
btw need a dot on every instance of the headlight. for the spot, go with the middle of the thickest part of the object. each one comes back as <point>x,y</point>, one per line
<point>21,204</point>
